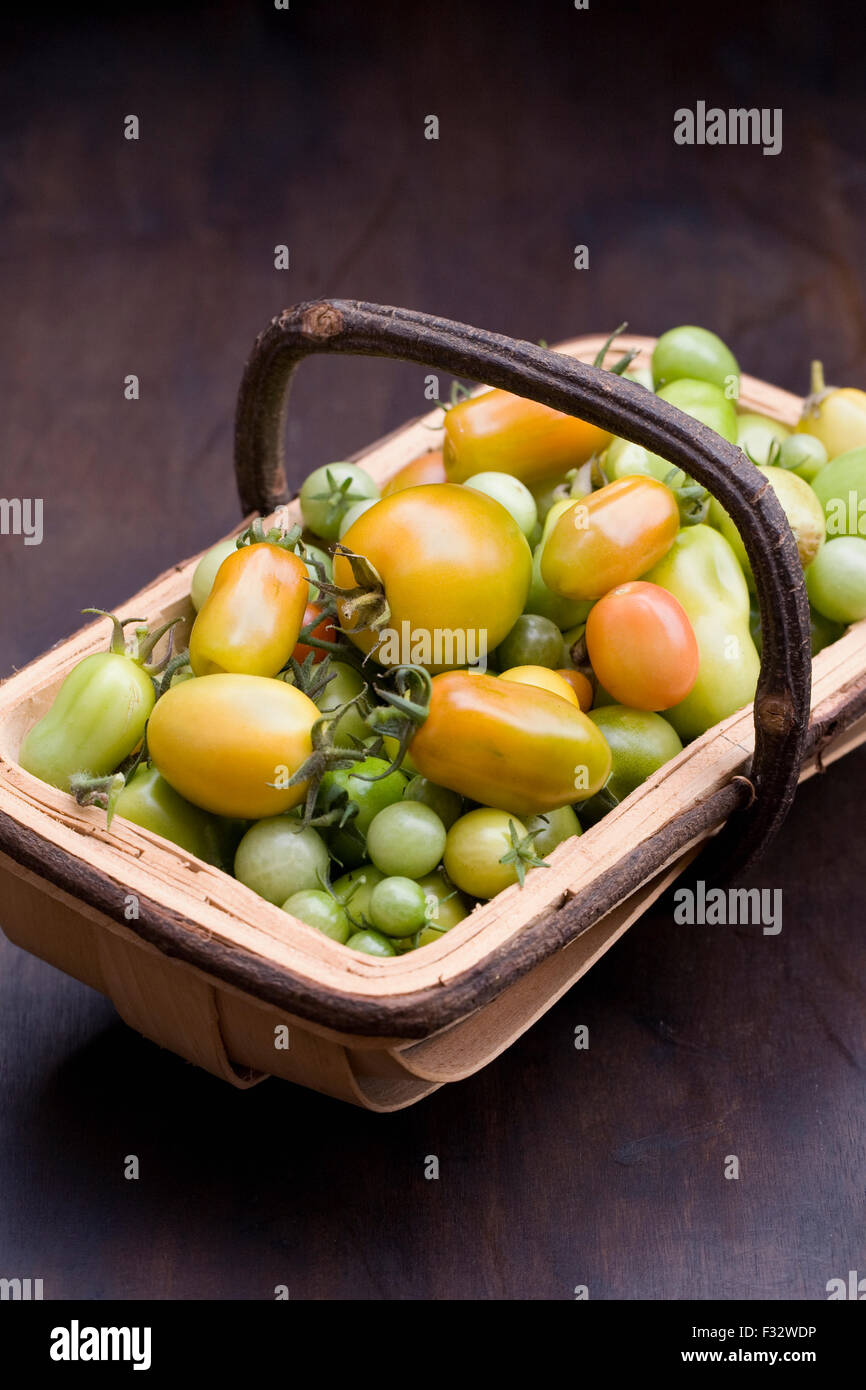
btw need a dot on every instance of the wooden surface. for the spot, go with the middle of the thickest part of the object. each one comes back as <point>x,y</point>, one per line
<point>558,1167</point>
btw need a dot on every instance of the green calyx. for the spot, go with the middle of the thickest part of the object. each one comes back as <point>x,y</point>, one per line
<point>145,640</point>
<point>364,605</point>
<point>522,853</point>
<point>692,499</point>
<point>327,756</point>
<point>255,534</point>
<point>339,497</point>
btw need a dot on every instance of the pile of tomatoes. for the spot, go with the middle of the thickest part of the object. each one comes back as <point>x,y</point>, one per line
<point>398,709</point>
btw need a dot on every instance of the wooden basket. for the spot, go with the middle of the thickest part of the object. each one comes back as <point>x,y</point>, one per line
<point>200,964</point>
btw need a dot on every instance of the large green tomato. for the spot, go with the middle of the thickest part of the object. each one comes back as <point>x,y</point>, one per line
<point>147,800</point>
<point>698,354</point>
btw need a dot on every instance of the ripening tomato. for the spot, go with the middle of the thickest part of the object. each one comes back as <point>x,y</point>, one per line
<point>642,646</point>
<point>514,747</point>
<point>428,468</point>
<point>498,432</point>
<point>581,686</point>
<point>609,538</point>
<point>325,631</point>
<point>229,743</point>
<point>250,620</point>
<point>543,679</point>
<point>451,571</point>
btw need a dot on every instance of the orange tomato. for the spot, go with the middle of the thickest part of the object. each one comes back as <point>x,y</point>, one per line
<point>429,468</point>
<point>498,432</point>
<point>453,573</point>
<point>609,538</point>
<point>581,685</point>
<point>250,620</point>
<point>642,646</point>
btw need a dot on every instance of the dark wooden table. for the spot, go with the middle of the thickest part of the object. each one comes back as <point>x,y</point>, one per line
<point>558,1167</point>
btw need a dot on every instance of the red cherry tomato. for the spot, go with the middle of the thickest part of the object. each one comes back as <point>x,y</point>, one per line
<point>642,646</point>
<point>325,631</point>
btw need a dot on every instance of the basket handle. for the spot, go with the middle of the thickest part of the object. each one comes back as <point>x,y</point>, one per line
<point>615,404</point>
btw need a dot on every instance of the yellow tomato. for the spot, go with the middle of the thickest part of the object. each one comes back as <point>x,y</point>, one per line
<point>544,679</point>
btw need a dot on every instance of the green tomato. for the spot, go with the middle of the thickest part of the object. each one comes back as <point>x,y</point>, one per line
<point>512,494</point>
<point>354,889</point>
<point>760,437</point>
<point>148,800</point>
<point>372,943</point>
<point>703,402</point>
<point>551,828</point>
<point>277,858</point>
<point>841,490</point>
<point>836,579</point>
<point>702,571</point>
<point>406,839</point>
<point>318,909</point>
<point>344,685</point>
<point>622,459</point>
<point>329,492</point>
<point>533,641</point>
<point>205,571</point>
<point>697,354</point>
<point>544,603</point>
<point>801,507</point>
<point>398,906</point>
<point>356,510</point>
<point>640,743</point>
<point>445,803</point>
<point>804,455</point>
<point>475,848</point>
<point>347,843</point>
<point>97,719</point>
<point>445,907</point>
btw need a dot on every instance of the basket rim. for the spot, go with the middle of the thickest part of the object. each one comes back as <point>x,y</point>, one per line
<point>412,1013</point>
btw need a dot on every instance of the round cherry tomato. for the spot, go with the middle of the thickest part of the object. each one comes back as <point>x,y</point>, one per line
<point>642,646</point>
<point>250,620</point>
<point>533,641</point>
<point>370,797</point>
<point>542,678</point>
<point>836,579</point>
<point>498,432</point>
<point>325,631</point>
<point>695,353</point>
<point>552,829</point>
<point>454,570</point>
<point>640,743</point>
<point>371,942</point>
<point>511,494</point>
<point>760,437</point>
<point>206,570</point>
<point>580,685</point>
<point>319,909</point>
<point>445,907</point>
<point>278,857</point>
<point>328,493</point>
<point>804,455</point>
<point>609,538</point>
<point>445,803</point>
<point>406,839</point>
<point>475,848</point>
<point>429,468</point>
<point>231,743</point>
<point>705,402</point>
<point>398,906</point>
<point>353,890</point>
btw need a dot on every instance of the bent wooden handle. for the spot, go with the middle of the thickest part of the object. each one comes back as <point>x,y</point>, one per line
<point>614,404</point>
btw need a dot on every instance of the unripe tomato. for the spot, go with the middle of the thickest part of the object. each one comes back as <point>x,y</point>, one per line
<point>613,536</point>
<point>454,568</point>
<point>498,432</point>
<point>250,620</point>
<point>836,416</point>
<point>475,848</point>
<point>704,402</point>
<point>695,353</point>
<point>428,468</point>
<point>642,646</point>
<point>224,741</point>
